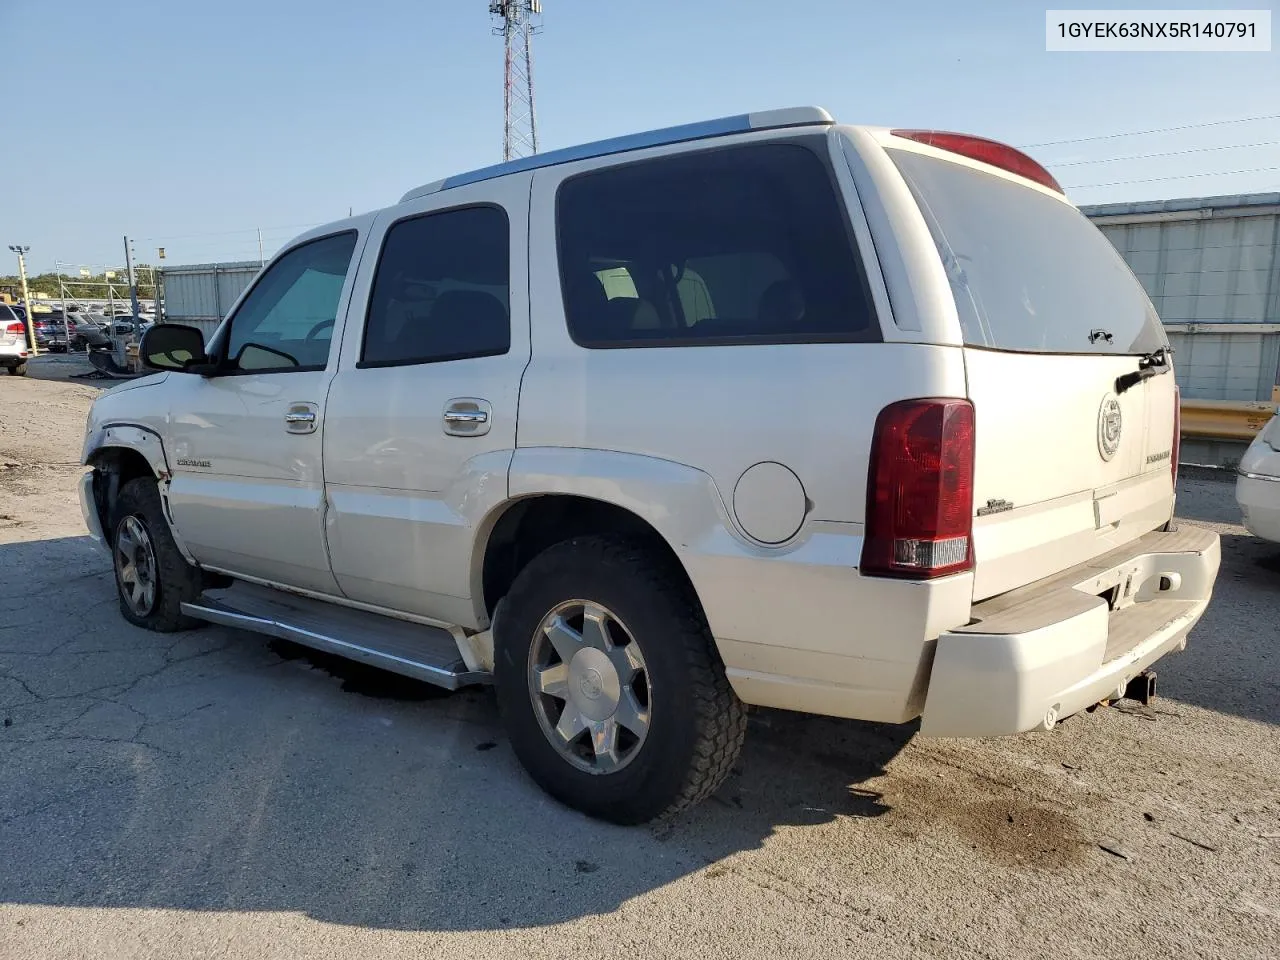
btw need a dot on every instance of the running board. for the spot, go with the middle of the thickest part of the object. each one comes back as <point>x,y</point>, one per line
<point>410,649</point>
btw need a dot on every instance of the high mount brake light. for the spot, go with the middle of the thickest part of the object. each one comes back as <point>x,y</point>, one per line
<point>985,151</point>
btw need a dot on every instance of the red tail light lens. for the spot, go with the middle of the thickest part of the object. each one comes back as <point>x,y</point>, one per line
<point>920,490</point>
<point>985,151</point>
<point>16,329</point>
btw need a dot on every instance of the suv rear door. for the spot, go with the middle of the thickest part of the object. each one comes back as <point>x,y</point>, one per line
<point>421,421</point>
<point>1069,463</point>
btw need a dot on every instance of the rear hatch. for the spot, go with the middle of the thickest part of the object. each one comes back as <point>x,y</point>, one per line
<point>1069,464</point>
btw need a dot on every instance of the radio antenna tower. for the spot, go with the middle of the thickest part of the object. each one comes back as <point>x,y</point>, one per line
<point>516,21</point>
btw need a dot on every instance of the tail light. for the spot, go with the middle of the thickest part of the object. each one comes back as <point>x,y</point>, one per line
<point>920,490</point>
<point>985,151</point>
<point>15,329</point>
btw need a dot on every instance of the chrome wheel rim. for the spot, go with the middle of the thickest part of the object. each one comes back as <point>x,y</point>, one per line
<point>136,566</point>
<point>590,687</point>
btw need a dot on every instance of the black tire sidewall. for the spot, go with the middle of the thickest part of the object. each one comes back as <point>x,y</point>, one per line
<point>176,580</point>
<point>660,622</point>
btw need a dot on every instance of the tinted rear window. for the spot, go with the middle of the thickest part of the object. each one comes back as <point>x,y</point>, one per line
<point>740,245</point>
<point>1028,272</point>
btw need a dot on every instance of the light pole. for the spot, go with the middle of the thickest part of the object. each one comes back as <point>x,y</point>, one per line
<point>21,251</point>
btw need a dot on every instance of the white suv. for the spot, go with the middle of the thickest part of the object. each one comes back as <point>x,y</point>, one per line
<point>764,410</point>
<point>14,352</point>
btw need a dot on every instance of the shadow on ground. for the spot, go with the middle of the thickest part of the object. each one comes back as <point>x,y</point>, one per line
<point>215,770</point>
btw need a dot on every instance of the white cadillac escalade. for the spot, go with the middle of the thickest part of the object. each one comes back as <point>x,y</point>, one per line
<point>765,410</point>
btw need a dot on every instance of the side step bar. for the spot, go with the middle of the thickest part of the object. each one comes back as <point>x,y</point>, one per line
<point>413,650</point>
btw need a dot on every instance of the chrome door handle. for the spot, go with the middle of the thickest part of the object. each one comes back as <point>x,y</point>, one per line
<point>301,418</point>
<point>466,416</point>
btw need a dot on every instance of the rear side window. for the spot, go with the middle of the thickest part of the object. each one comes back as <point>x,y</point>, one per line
<point>740,245</point>
<point>1028,272</point>
<point>441,291</point>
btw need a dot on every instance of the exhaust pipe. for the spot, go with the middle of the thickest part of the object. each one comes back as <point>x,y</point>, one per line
<point>1141,688</point>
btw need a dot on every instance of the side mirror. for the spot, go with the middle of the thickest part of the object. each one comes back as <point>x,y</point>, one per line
<point>172,346</point>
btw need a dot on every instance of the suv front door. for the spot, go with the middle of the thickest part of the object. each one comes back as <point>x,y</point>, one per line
<point>421,422</point>
<point>244,444</point>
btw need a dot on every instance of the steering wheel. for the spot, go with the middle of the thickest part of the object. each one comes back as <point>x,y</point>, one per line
<point>323,324</point>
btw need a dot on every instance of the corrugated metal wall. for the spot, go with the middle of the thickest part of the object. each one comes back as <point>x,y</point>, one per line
<point>1226,366</point>
<point>1212,268</point>
<point>200,295</point>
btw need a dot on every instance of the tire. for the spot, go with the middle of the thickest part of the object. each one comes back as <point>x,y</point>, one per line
<point>152,594</point>
<point>693,724</point>
<point>18,370</point>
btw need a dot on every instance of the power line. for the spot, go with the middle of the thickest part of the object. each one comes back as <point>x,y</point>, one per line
<point>1171,153</point>
<point>1184,176</point>
<point>1144,133</point>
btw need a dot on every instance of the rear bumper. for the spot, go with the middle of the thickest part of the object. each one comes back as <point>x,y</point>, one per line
<point>1045,651</point>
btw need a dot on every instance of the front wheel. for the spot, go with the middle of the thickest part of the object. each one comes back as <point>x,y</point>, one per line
<point>610,685</point>
<point>153,579</point>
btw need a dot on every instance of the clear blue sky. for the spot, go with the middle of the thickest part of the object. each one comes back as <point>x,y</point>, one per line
<point>201,121</point>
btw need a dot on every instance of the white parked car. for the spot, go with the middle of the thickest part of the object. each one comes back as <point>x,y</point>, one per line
<point>766,410</point>
<point>14,352</point>
<point>1258,483</point>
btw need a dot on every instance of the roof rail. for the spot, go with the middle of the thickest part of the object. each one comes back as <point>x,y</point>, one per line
<point>742,123</point>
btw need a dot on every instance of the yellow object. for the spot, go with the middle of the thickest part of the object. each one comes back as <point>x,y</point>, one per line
<point>1226,419</point>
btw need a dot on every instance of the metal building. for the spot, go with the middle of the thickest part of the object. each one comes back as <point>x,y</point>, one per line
<point>200,294</point>
<point>1211,266</point>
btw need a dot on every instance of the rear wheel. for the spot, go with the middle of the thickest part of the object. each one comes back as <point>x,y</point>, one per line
<point>18,369</point>
<point>153,579</point>
<point>611,688</point>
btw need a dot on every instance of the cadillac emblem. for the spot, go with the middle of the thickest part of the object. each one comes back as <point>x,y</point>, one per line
<point>1110,424</point>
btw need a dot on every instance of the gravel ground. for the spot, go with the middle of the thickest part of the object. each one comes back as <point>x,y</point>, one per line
<point>215,794</point>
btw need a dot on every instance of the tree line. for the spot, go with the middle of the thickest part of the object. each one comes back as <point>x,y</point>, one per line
<point>47,283</point>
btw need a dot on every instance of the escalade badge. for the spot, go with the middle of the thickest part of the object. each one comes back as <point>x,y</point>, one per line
<point>1109,425</point>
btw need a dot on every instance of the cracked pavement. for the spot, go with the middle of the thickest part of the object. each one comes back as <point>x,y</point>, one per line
<point>217,794</point>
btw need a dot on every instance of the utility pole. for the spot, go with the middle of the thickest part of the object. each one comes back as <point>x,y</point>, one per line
<point>22,251</point>
<point>133,284</point>
<point>262,261</point>
<point>62,295</point>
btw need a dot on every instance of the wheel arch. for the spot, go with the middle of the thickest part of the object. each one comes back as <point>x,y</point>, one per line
<point>556,494</point>
<point>118,454</point>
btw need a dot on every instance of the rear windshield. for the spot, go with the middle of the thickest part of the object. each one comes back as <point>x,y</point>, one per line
<point>1028,272</point>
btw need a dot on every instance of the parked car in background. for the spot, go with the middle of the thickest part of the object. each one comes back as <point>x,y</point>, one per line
<point>1258,483</point>
<point>13,340</point>
<point>89,330</point>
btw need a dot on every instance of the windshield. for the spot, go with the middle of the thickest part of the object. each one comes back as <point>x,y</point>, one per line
<point>1028,272</point>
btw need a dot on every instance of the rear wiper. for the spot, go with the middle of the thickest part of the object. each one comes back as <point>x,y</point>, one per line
<point>1149,365</point>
